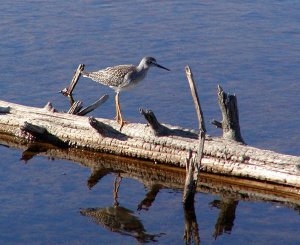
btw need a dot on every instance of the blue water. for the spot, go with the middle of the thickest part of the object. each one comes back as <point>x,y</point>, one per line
<point>251,48</point>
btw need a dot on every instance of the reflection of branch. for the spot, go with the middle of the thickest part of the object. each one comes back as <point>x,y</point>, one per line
<point>150,197</point>
<point>32,151</point>
<point>226,217</point>
<point>191,230</point>
<point>117,184</point>
<point>96,175</point>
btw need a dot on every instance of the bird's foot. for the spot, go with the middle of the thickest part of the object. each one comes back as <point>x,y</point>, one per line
<point>122,123</point>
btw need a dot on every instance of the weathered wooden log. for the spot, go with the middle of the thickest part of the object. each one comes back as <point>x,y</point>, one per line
<point>220,156</point>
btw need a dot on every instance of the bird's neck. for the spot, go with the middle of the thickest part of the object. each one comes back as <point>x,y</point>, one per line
<point>142,68</point>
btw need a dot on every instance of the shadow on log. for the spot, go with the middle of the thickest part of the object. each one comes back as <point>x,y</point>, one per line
<point>106,130</point>
<point>162,130</point>
<point>37,133</point>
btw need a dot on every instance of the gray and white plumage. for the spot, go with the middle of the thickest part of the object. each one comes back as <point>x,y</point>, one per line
<point>123,77</point>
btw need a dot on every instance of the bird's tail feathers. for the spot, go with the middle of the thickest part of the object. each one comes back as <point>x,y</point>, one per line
<point>85,74</point>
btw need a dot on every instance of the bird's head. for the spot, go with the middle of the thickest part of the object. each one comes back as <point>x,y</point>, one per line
<point>148,62</point>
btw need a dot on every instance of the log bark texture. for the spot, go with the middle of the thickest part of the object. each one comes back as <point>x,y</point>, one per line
<point>138,141</point>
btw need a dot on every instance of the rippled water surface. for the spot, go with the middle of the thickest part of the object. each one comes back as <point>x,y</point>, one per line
<point>251,48</point>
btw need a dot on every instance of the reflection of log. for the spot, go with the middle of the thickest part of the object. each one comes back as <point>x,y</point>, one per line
<point>167,177</point>
<point>138,141</point>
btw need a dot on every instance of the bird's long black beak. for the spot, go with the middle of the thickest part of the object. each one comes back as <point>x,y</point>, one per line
<point>161,67</point>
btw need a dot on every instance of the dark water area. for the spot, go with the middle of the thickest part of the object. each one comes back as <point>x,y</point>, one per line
<point>250,48</point>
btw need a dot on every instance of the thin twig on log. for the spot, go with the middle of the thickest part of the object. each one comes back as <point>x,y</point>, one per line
<point>194,166</point>
<point>93,106</point>
<point>194,92</point>
<point>202,129</point>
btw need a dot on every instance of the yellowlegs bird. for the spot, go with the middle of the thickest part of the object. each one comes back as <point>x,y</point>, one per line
<point>122,77</point>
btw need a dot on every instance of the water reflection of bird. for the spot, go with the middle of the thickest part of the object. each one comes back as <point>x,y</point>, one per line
<point>122,77</point>
<point>120,220</point>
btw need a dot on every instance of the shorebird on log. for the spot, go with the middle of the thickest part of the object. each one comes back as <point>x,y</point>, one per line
<point>122,77</point>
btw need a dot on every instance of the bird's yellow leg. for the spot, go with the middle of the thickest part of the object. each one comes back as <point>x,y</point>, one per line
<point>117,108</point>
<point>119,117</point>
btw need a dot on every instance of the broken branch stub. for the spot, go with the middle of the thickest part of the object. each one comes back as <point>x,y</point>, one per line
<point>230,116</point>
<point>157,128</point>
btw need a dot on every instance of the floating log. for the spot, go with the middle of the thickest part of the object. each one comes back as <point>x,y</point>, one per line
<point>138,141</point>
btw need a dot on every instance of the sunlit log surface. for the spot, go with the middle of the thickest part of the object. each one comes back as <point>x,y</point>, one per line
<point>138,141</point>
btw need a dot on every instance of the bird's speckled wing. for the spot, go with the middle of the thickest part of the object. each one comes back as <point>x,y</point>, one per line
<point>111,76</point>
